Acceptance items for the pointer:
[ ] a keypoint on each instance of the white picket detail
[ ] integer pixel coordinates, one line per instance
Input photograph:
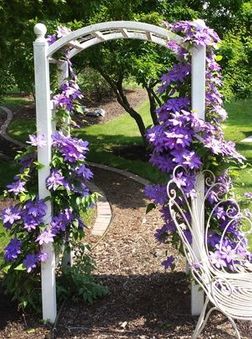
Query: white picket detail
(91, 35)
(44, 126)
(198, 106)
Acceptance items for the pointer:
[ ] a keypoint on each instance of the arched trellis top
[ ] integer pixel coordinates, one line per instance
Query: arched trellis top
(91, 35)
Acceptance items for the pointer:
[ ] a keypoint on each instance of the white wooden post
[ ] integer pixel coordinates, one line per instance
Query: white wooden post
(44, 126)
(198, 106)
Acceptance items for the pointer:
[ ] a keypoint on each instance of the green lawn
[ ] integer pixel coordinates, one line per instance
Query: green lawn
(4, 239)
(237, 128)
(15, 100)
(123, 131)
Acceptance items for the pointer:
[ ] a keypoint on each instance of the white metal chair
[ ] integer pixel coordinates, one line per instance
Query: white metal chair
(228, 290)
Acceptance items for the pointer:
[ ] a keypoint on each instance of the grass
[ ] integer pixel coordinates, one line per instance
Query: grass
(16, 100)
(4, 239)
(20, 129)
(123, 131)
(237, 128)
(7, 172)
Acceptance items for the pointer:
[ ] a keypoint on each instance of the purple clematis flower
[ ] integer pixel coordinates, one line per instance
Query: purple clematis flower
(217, 260)
(12, 250)
(84, 172)
(36, 208)
(30, 223)
(51, 39)
(42, 256)
(168, 262)
(10, 215)
(37, 140)
(16, 187)
(55, 180)
(157, 193)
(30, 262)
(61, 221)
(45, 237)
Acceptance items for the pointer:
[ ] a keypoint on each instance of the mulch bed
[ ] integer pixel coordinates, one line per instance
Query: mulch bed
(112, 108)
(110, 105)
(144, 301)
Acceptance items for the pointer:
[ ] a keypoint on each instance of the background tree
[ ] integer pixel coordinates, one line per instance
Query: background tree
(119, 60)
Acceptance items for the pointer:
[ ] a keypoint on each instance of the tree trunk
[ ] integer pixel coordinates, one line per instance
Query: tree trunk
(153, 105)
(123, 101)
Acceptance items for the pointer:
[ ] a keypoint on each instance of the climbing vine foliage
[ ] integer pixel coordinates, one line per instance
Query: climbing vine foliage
(183, 141)
(70, 198)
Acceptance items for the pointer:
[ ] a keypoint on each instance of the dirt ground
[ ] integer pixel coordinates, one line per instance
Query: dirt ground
(144, 301)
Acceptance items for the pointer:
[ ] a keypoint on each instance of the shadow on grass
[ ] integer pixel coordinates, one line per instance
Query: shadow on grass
(244, 147)
(8, 169)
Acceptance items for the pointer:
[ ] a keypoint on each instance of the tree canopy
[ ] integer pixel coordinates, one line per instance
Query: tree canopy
(230, 18)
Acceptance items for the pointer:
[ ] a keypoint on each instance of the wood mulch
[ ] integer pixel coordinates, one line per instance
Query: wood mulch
(144, 301)
(110, 105)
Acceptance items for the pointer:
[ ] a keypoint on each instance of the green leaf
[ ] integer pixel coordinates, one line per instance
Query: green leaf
(218, 57)
(78, 201)
(79, 109)
(6, 269)
(38, 165)
(20, 267)
(150, 207)
(23, 197)
(75, 223)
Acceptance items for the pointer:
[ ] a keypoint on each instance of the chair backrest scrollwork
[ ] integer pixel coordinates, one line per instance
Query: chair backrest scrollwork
(223, 247)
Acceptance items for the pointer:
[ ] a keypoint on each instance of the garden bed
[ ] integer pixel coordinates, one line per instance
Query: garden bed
(144, 301)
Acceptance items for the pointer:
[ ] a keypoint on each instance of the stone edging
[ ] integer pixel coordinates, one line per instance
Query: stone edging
(4, 127)
(104, 212)
(125, 173)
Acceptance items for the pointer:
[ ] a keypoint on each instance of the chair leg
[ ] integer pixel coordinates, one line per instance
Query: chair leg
(201, 321)
(235, 327)
(206, 319)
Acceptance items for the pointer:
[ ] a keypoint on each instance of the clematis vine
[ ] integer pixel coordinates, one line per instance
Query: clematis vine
(182, 139)
(67, 184)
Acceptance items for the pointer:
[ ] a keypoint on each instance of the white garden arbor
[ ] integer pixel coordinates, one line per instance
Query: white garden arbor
(77, 42)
